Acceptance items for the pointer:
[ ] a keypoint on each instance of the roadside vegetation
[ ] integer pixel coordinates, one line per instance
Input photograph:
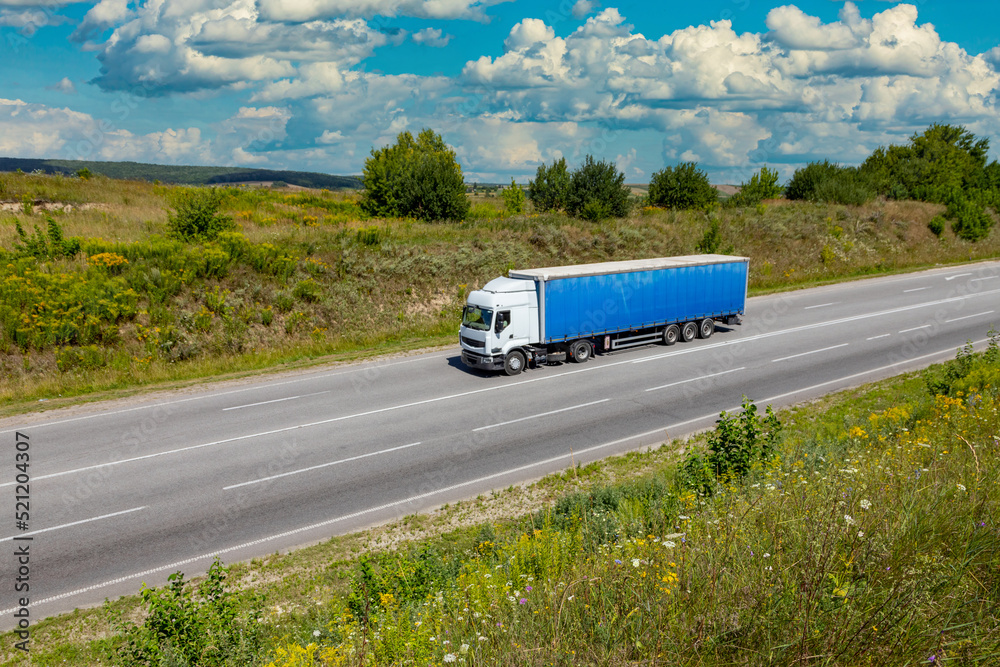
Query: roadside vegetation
(860, 530)
(109, 285)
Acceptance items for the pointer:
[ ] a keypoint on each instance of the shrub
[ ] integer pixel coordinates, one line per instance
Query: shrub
(550, 189)
(736, 444)
(196, 216)
(762, 185)
(682, 187)
(84, 174)
(969, 220)
(597, 190)
(804, 181)
(712, 240)
(50, 244)
(417, 178)
(936, 225)
(207, 628)
(513, 198)
(308, 290)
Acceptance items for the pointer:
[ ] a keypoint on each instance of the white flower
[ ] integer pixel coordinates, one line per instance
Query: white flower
(445, 642)
(481, 638)
(683, 518)
(450, 657)
(848, 519)
(463, 649)
(433, 639)
(961, 487)
(861, 533)
(635, 562)
(669, 545)
(767, 555)
(866, 504)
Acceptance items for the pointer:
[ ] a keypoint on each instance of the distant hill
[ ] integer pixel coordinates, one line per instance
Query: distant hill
(181, 174)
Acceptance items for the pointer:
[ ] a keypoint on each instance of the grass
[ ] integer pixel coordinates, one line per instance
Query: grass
(306, 278)
(871, 538)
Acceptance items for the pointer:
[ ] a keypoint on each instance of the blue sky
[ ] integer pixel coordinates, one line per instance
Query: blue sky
(315, 84)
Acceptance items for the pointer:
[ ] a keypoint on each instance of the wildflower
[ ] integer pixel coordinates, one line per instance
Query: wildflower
(669, 545)
(450, 657)
(635, 562)
(463, 649)
(527, 588)
(316, 633)
(767, 555)
(617, 562)
(481, 638)
(861, 533)
(961, 487)
(524, 600)
(866, 504)
(849, 520)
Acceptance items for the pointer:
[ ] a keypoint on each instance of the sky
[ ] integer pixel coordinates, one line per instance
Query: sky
(315, 85)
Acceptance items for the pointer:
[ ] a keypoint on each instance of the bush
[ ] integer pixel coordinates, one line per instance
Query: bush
(682, 187)
(45, 245)
(196, 216)
(762, 185)
(739, 442)
(936, 225)
(513, 198)
(712, 240)
(969, 220)
(597, 190)
(417, 178)
(550, 189)
(804, 181)
(206, 629)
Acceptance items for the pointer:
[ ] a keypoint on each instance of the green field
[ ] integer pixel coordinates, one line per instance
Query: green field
(97, 301)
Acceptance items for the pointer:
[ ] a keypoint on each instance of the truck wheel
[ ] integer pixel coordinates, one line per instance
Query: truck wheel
(689, 331)
(706, 328)
(580, 351)
(671, 334)
(514, 363)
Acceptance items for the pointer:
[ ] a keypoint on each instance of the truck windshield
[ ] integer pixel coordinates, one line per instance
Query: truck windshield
(475, 317)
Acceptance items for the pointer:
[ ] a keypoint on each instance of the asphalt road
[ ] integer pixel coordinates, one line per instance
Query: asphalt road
(126, 493)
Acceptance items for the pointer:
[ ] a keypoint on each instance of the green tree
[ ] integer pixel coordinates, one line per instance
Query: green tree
(969, 220)
(762, 185)
(550, 189)
(597, 190)
(804, 181)
(513, 198)
(417, 178)
(682, 187)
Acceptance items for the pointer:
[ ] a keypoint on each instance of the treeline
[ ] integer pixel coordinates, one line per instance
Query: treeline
(179, 174)
(945, 164)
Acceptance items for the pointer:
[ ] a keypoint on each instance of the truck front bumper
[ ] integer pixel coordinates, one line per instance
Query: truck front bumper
(474, 360)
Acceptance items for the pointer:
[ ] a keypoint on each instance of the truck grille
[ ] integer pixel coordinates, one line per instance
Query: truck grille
(478, 344)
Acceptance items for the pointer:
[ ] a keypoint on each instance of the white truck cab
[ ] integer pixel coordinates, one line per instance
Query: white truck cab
(498, 319)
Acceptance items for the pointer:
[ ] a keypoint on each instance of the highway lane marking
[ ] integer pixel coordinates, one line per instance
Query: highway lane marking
(957, 319)
(226, 393)
(879, 336)
(959, 275)
(543, 414)
(976, 280)
(806, 327)
(821, 305)
(862, 373)
(543, 378)
(321, 465)
(924, 326)
(915, 289)
(804, 354)
(75, 523)
(322, 524)
(703, 377)
(276, 400)
(665, 430)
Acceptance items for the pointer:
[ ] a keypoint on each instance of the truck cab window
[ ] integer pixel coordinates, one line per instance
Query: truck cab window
(503, 320)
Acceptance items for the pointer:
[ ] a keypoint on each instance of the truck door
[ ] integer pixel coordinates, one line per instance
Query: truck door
(511, 328)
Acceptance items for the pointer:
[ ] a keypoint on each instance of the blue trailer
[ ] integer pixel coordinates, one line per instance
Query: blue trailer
(550, 315)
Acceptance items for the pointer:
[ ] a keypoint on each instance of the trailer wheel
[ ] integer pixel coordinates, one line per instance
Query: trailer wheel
(689, 331)
(706, 328)
(671, 334)
(580, 351)
(514, 363)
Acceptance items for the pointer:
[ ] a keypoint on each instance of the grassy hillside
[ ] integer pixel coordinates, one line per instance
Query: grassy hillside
(179, 174)
(870, 536)
(95, 297)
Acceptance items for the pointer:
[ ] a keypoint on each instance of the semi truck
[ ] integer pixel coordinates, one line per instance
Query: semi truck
(552, 315)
